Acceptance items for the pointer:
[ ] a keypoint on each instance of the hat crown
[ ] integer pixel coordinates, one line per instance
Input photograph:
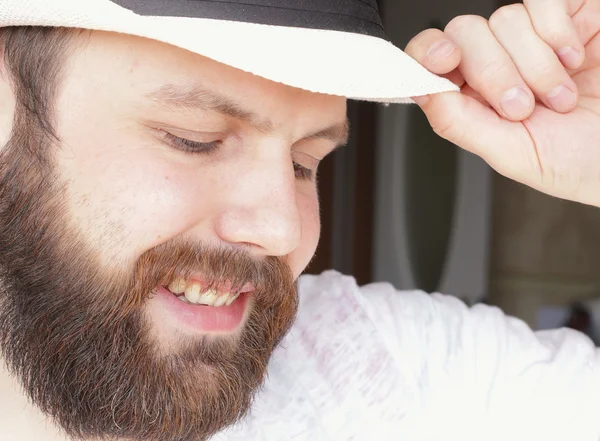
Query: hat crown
(356, 16)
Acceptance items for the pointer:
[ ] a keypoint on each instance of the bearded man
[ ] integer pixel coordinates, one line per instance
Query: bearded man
(158, 203)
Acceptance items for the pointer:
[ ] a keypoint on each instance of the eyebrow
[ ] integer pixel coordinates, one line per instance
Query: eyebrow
(196, 97)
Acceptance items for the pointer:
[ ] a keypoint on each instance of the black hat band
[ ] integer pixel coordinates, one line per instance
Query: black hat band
(354, 16)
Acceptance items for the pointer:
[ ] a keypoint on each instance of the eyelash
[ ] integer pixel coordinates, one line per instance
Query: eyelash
(303, 172)
(193, 147)
(206, 148)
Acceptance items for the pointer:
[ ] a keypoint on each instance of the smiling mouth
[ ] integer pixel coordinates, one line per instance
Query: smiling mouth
(194, 293)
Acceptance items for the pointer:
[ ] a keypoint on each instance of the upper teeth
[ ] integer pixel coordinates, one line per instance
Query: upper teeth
(193, 294)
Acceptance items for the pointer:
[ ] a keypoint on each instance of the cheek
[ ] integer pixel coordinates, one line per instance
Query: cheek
(135, 207)
(161, 200)
(308, 206)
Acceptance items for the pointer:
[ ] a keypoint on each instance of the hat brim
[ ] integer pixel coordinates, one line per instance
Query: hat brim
(355, 66)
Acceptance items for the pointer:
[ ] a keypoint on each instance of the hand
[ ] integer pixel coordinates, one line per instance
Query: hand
(530, 92)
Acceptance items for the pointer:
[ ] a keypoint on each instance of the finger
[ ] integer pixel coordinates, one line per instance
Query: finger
(537, 62)
(470, 92)
(553, 23)
(438, 54)
(587, 20)
(587, 78)
(488, 69)
(506, 146)
(434, 51)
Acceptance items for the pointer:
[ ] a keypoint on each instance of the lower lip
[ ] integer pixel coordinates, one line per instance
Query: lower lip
(204, 319)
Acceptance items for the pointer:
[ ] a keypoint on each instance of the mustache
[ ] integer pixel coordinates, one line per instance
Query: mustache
(270, 276)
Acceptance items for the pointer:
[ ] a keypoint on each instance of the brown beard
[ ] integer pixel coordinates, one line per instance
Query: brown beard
(75, 334)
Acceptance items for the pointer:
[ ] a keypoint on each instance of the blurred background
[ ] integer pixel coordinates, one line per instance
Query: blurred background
(404, 206)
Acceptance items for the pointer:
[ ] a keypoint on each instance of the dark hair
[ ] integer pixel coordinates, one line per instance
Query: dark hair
(33, 58)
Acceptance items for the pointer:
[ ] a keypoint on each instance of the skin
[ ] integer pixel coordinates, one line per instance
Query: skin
(549, 144)
(255, 200)
(256, 191)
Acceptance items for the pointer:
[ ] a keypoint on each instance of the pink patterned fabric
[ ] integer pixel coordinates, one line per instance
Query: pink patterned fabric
(373, 363)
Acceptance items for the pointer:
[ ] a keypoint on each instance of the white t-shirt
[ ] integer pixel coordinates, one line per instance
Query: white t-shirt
(375, 364)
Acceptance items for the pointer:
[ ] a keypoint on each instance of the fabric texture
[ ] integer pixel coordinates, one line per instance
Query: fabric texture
(352, 65)
(374, 363)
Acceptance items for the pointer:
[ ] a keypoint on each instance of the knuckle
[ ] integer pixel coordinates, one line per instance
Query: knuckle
(551, 33)
(555, 34)
(492, 71)
(464, 23)
(507, 15)
(542, 72)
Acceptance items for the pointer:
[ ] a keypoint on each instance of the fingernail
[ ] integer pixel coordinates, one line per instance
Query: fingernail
(440, 50)
(516, 103)
(570, 57)
(561, 98)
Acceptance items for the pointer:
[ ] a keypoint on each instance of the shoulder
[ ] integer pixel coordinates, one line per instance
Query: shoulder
(373, 362)
(382, 303)
(333, 376)
(332, 285)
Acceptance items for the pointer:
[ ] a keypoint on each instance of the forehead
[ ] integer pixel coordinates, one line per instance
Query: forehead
(133, 68)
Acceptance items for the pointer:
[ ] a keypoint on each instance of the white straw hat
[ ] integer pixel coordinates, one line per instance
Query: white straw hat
(335, 47)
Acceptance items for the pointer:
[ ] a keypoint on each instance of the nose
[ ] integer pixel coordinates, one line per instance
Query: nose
(260, 207)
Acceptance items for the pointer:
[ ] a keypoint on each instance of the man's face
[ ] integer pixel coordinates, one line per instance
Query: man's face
(158, 245)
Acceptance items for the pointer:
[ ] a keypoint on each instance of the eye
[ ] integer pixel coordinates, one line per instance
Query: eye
(305, 165)
(303, 172)
(189, 146)
(195, 147)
